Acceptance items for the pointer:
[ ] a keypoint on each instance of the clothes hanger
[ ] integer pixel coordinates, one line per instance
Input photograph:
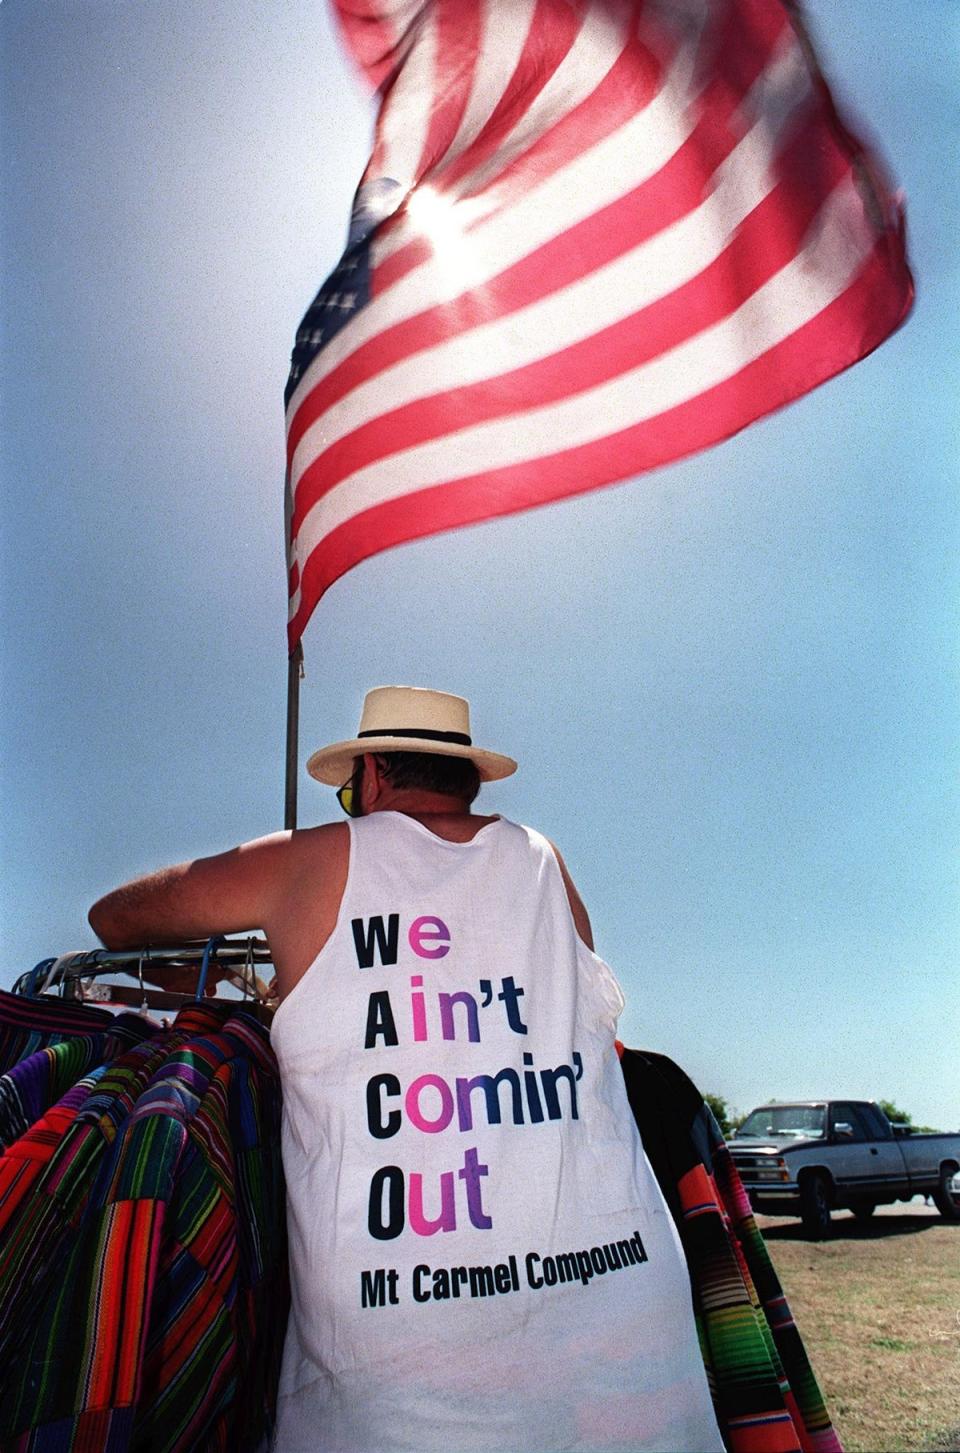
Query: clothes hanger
(77, 975)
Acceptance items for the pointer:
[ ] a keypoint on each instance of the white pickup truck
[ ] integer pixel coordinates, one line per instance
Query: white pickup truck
(807, 1157)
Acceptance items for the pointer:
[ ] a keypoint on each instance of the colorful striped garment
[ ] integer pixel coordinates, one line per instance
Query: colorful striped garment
(219, 1310)
(27, 1025)
(765, 1394)
(47, 1178)
(29, 1089)
(144, 1284)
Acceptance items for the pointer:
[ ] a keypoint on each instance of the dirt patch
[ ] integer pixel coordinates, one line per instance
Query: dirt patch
(878, 1307)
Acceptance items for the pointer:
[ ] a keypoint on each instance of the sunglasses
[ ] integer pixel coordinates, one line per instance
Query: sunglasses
(348, 796)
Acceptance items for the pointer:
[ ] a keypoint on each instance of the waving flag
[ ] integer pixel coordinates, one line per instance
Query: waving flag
(593, 237)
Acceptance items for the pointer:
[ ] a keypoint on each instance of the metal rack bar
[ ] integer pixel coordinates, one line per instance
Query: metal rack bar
(232, 953)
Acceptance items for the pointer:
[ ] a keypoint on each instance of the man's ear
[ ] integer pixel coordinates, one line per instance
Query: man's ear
(372, 780)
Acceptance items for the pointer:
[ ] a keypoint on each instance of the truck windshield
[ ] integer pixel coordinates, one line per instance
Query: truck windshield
(807, 1122)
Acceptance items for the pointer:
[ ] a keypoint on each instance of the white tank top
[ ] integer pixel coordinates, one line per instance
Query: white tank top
(481, 1257)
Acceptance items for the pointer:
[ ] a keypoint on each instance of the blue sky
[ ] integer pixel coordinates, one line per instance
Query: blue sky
(731, 685)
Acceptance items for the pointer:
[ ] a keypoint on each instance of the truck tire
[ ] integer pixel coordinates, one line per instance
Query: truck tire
(815, 1206)
(946, 1200)
(863, 1210)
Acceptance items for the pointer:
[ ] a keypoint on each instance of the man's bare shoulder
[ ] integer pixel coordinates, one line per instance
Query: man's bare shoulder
(285, 848)
(326, 837)
(311, 849)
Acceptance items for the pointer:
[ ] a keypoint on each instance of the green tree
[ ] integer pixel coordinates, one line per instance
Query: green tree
(893, 1112)
(724, 1116)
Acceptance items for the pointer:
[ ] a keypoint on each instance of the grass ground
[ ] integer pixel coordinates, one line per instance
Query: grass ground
(878, 1307)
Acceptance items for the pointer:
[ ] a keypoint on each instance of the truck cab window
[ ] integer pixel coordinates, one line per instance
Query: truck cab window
(845, 1122)
(877, 1127)
(803, 1122)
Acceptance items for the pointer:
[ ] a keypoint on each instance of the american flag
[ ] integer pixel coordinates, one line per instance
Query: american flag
(594, 236)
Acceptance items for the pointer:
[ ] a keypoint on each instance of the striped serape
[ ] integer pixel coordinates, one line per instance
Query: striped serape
(31, 1087)
(150, 1243)
(219, 1310)
(47, 1179)
(27, 1025)
(765, 1394)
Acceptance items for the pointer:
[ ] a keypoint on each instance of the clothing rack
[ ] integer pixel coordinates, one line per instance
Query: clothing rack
(75, 973)
(129, 1137)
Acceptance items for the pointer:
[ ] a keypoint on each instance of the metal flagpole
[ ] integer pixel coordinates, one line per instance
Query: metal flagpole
(294, 676)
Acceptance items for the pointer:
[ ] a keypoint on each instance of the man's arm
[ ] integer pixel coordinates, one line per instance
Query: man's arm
(288, 885)
(581, 918)
(227, 893)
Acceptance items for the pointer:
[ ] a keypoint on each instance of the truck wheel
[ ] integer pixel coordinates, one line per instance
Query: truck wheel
(863, 1210)
(815, 1206)
(946, 1197)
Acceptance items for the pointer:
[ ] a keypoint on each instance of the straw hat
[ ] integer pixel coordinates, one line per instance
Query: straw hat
(409, 719)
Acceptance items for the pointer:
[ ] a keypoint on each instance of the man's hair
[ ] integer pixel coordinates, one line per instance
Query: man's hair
(430, 772)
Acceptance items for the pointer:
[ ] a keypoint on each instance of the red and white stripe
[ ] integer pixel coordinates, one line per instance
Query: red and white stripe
(630, 229)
